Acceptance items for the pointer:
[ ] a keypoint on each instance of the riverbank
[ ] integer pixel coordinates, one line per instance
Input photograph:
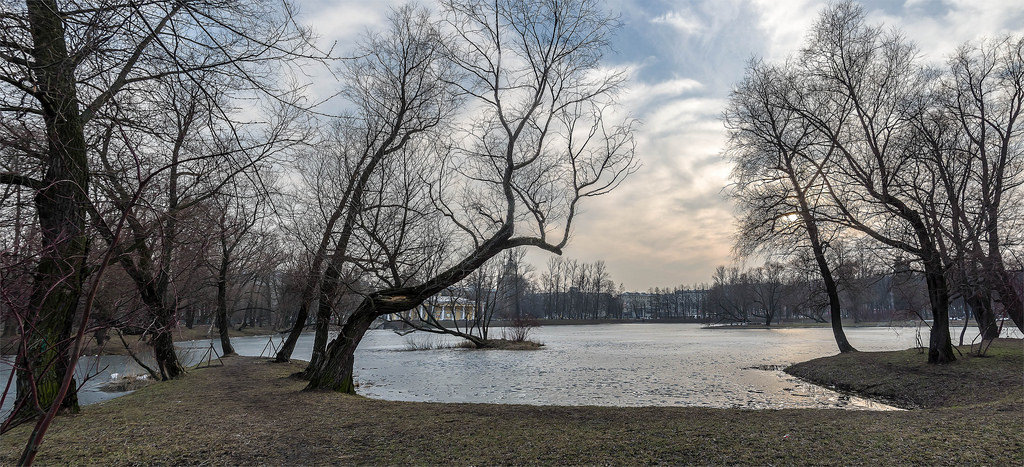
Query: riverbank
(113, 345)
(904, 379)
(250, 411)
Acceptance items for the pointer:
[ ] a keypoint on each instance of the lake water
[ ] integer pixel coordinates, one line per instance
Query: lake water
(608, 364)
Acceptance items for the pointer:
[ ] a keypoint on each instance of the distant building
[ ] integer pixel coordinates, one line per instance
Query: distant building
(671, 304)
(441, 308)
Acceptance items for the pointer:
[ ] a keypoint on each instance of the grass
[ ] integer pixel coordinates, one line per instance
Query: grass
(250, 412)
(904, 379)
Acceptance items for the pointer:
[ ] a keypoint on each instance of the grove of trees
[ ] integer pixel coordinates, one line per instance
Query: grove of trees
(165, 165)
(857, 141)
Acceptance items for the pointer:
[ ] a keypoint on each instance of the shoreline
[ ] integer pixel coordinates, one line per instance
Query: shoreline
(113, 345)
(250, 411)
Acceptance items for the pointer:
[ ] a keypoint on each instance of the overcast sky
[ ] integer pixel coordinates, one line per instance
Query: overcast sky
(669, 224)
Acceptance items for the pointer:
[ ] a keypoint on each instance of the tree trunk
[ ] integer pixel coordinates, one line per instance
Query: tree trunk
(335, 374)
(1012, 301)
(940, 344)
(328, 293)
(981, 308)
(163, 344)
(60, 205)
(831, 289)
(222, 311)
(288, 347)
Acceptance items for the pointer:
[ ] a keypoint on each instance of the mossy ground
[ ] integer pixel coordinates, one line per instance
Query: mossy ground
(250, 411)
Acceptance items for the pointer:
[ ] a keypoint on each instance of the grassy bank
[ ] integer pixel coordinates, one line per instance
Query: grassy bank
(904, 379)
(250, 411)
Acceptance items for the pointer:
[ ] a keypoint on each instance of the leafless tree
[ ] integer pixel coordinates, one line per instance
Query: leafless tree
(536, 140)
(240, 213)
(777, 177)
(397, 90)
(859, 80)
(974, 120)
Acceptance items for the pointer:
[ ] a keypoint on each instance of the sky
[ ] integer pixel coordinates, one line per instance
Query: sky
(670, 224)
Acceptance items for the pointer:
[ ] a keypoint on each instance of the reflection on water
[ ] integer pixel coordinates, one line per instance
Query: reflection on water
(610, 364)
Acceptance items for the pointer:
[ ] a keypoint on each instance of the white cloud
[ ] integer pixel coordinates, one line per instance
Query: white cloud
(938, 34)
(784, 24)
(684, 21)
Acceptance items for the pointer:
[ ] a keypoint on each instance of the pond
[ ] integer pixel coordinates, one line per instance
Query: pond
(607, 364)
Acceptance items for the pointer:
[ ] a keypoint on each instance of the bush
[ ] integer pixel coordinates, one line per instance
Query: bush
(519, 329)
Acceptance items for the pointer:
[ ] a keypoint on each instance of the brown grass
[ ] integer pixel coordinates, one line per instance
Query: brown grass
(251, 412)
(903, 378)
(502, 344)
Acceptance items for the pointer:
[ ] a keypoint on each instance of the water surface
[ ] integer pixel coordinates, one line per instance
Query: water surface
(608, 364)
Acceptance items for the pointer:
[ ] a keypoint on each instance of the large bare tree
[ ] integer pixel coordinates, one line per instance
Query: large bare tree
(535, 140)
(777, 177)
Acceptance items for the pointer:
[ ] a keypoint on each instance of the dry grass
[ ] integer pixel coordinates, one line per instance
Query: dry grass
(904, 378)
(501, 344)
(251, 412)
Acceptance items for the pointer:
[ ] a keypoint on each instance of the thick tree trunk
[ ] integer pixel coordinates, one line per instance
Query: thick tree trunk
(981, 308)
(1012, 301)
(1000, 279)
(163, 343)
(940, 344)
(335, 373)
(328, 294)
(60, 205)
(288, 347)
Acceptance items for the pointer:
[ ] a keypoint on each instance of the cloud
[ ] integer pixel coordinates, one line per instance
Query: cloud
(938, 28)
(669, 224)
(684, 21)
(342, 21)
(784, 24)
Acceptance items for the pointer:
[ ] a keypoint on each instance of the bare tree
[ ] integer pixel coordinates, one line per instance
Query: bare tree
(398, 90)
(240, 215)
(537, 143)
(982, 97)
(778, 184)
(859, 80)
